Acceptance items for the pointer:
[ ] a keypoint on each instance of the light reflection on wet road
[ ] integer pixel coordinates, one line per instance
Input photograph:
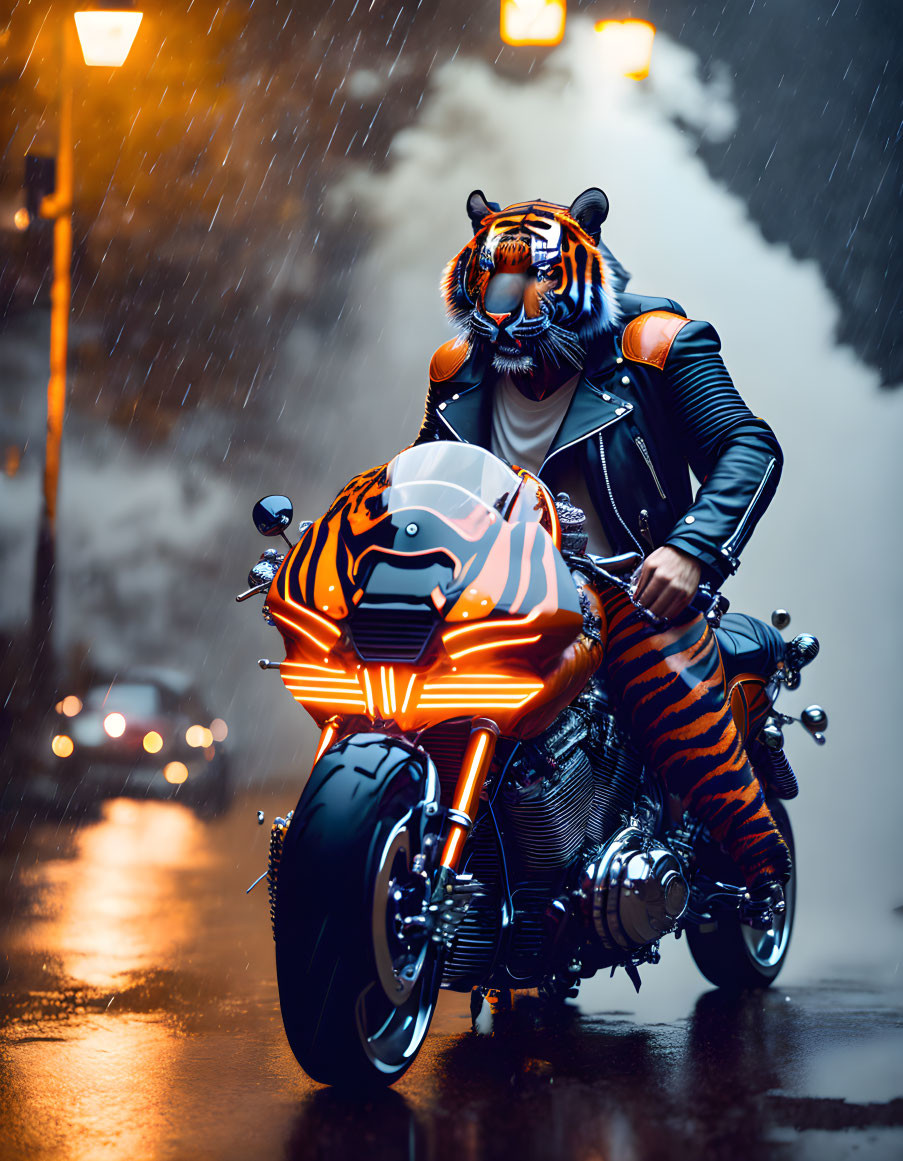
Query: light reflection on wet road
(139, 1018)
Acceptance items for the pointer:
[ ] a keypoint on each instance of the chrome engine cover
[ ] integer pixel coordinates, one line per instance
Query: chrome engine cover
(634, 890)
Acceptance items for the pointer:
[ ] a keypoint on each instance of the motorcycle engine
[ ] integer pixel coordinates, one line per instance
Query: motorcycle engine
(634, 890)
(548, 796)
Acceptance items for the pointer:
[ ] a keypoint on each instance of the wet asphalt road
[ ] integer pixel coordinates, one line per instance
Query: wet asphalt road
(139, 1019)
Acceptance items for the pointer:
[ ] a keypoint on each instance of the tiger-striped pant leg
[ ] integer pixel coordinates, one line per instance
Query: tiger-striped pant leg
(669, 686)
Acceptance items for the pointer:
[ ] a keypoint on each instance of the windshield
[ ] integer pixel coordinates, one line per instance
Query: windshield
(448, 477)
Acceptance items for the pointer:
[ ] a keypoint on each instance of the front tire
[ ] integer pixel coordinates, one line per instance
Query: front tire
(733, 955)
(357, 992)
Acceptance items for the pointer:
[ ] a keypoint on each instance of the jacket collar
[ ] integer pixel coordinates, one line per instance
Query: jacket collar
(467, 411)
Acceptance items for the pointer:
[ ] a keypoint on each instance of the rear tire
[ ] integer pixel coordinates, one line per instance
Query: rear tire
(732, 954)
(346, 855)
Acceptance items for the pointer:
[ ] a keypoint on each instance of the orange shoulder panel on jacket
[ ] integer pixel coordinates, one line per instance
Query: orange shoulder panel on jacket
(648, 337)
(447, 360)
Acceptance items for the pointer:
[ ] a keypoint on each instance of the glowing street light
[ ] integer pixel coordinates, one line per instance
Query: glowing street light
(539, 22)
(626, 46)
(106, 35)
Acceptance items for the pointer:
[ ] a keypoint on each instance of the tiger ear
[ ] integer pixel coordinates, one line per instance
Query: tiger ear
(477, 209)
(590, 210)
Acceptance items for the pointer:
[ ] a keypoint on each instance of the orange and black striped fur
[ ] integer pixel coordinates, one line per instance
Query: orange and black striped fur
(569, 280)
(669, 686)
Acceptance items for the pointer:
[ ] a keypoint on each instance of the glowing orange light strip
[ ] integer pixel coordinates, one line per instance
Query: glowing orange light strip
(329, 700)
(477, 759)
(305, 632)
(315, 668)
(473, 683)
(407, 696)
(450, 853)
(368, 689)
(463, 795)
(495, 645)
(326, 739)
(484, 626)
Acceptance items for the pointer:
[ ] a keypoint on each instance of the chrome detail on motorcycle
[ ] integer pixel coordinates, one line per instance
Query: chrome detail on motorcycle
(266, 568)
(277, 838)
(448, 905)
(252, 592)
(572, 520)
(477, 936)
(767, 944)
(460, 818)
(617, 770)
(262, 574)
(634, 890)
(272, 515)
(815, 720)
(400, 898)
(546, 800)
(801, 651)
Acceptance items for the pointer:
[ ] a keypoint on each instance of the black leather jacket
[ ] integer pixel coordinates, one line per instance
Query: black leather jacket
(638, 426)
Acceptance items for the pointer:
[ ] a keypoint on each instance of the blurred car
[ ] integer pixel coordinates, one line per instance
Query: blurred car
(144, 734)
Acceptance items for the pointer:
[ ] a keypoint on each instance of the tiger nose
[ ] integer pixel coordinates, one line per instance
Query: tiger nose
(504, 296)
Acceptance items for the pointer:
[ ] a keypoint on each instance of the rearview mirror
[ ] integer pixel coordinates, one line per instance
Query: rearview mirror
(272, 515)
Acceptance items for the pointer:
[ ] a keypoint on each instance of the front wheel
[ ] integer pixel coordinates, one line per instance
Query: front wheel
(358, 977)
(734, 955)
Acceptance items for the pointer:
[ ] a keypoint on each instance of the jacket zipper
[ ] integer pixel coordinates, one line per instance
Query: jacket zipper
(729, 545)
(611, 498)
(644, 452)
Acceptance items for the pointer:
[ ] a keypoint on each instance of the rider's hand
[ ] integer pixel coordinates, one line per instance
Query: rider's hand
(668, 582)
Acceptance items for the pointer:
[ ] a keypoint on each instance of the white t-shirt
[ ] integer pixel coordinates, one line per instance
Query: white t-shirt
(522, 433)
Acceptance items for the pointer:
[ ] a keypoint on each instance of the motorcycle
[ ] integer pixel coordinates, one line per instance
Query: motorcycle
(476, 818)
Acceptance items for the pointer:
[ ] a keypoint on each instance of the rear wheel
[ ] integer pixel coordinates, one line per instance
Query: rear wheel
(357, 978)
(734, 955)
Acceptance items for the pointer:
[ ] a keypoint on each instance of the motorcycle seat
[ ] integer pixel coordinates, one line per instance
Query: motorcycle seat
(748, 645)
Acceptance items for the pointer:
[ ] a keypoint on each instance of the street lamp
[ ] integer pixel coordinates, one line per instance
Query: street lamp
(539, 22)
(106, 35)
(626, 46)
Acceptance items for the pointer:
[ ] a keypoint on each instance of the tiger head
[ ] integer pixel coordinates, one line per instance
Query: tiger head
(535, 284)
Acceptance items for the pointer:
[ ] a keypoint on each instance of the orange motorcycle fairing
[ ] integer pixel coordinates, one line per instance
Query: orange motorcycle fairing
(464, 558)
(750, 703)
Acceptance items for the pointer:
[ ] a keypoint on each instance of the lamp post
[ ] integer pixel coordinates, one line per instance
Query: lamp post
(105, 35)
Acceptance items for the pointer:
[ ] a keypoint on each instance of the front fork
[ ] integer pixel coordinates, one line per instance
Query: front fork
(465, 802)
(478, 757)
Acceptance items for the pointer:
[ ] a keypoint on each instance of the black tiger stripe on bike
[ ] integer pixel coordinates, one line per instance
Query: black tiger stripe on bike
(669, 683)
